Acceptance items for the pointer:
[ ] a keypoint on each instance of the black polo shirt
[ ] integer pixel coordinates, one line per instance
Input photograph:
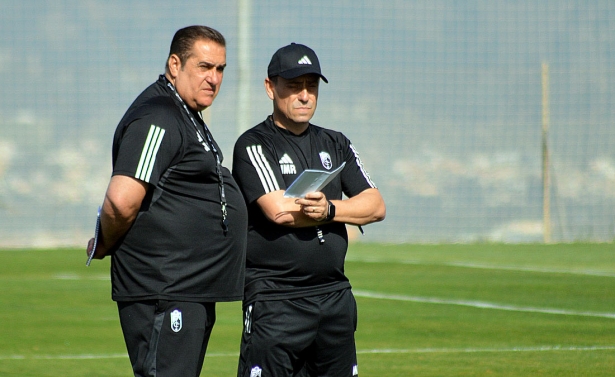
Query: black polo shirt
(284, 262)
(176, 249)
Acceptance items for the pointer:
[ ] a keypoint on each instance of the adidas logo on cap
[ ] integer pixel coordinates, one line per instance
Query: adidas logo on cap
(305, 60)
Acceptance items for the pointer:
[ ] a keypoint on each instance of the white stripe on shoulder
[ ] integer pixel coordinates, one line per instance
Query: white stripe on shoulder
(361, 167)
(149, 152)
(263, 169)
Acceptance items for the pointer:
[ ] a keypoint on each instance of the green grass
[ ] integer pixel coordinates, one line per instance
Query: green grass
(424, 310)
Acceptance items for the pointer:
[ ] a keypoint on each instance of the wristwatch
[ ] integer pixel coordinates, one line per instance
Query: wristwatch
(330, 212)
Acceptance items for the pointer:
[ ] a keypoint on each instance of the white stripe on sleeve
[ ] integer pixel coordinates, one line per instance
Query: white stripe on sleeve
(263, 169)
(361, 167)
(149, 152)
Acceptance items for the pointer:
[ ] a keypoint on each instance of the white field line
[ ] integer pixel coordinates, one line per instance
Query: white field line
(488, 266)
(90, 356)
(480, 304)
(64, 357)
(478, 350)
(70, 276)
(60, 276)
(372, 351)
(484, 266)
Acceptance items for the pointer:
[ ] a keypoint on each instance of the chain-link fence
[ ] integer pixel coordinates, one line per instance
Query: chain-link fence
(446, 102)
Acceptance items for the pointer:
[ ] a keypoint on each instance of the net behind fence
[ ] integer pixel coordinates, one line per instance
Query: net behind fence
(446, 102)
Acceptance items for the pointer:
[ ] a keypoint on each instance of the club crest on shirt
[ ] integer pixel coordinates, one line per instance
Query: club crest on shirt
(176, 320)
(325, 158)
(256, 372)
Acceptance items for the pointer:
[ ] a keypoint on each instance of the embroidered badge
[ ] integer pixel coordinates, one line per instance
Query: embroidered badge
(325, 158)
(256, 372)
(176, 320)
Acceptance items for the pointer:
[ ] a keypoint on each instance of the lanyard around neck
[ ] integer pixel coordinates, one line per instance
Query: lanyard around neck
(208, 138)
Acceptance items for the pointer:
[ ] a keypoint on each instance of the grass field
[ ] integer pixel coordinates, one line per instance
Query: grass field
(436, 310)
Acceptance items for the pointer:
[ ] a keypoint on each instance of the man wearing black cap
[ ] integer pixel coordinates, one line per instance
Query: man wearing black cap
(299, 312)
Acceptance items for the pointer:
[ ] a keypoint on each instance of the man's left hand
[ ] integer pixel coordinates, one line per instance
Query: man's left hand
(314, 205)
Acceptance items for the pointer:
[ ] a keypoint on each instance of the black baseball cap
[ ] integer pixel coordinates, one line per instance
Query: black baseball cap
(293, 61)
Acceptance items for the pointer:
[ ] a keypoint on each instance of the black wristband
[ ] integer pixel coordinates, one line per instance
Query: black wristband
(330, 212)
